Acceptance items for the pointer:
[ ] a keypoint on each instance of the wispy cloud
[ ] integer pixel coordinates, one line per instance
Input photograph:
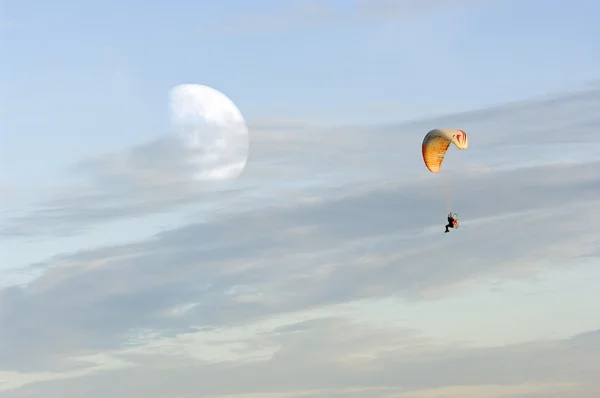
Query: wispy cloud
(315, 360)
(299, 156)
(317, 14)
(402, 9)
(6, 25)
(253, 300)
(266, 262)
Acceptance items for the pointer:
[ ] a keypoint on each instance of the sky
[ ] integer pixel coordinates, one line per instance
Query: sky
(323, 271)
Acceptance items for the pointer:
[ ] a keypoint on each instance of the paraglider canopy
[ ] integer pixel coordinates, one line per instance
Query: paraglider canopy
(436, 143)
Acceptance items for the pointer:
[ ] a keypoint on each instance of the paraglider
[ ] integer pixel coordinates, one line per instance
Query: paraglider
(434, 148)
(452, 222)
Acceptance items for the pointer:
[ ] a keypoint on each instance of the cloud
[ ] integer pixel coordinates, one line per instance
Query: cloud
(6, 193)
(313, 359)
(155, 177)
(385, 241)
(293, 15)
(315, 14)
(254, 299)
(402, 9)
(149, 179)
(5, 25)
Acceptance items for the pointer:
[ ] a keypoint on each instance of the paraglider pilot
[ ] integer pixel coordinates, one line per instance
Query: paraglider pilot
(451, 222)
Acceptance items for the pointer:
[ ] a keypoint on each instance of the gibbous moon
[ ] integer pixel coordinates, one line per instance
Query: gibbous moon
(211, 129)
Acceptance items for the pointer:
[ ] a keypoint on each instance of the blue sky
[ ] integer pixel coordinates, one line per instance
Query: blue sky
(335, 224)
(96, 74)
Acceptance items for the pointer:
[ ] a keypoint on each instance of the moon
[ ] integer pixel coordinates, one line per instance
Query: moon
(212, 130)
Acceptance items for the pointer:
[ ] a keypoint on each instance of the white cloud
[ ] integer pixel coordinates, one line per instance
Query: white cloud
(341, 283)
(303, 159)
(315, 14)
(402, 9)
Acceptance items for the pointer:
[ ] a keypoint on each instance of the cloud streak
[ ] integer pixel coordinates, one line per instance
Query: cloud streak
(155, 177)
(317, 14)
(313, 360)
(254, 299)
